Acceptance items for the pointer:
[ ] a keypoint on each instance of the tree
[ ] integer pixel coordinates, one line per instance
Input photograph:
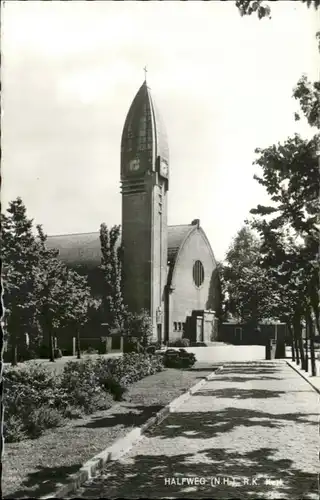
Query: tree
(308, 96)
(75, 301)
(290, 227)
(63, 294)
(284, 257)
(247, 287)
(248, 7)
(217, 299)
(41, 294)
(112, 306)
(262, 8)
(137, 329)
(20, 273)
(48, 285)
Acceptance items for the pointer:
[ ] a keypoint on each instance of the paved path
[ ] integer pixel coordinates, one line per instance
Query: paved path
(254, 423)
(222, 353)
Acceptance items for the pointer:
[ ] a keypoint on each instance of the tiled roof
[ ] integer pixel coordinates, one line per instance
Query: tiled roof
(176, 236)
(84, 248)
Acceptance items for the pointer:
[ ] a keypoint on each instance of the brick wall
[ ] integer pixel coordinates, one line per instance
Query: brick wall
(144, 238)
(136, 233)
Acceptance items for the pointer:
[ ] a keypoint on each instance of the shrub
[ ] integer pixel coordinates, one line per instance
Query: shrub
(72, 412)
(130, 345)
(180, 343)
(13, 428)
(37, 398)
(178, 359)
(91, 350)
(43, 352)
(29, 391)
(129, 368)
(102, 349)
(139, 326)
(113, 386)
(29, 386)
(67, 352)
(151, 349)
(157, 345)
(43, 418)
(24, 354)
(80, 382)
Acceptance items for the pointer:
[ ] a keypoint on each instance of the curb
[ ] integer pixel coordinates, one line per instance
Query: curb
(123, 445)
(303, 375)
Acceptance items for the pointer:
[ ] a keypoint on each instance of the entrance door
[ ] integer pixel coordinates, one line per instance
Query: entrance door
(116, 342)
(159, 333)
(199, 329)
(238, 334)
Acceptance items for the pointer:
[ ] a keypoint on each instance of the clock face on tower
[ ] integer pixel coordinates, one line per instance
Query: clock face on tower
(164, 168)
(134, 165)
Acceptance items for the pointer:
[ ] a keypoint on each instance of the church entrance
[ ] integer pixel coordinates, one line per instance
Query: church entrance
(202, 326)
(115, 342)
(199, 332)
(159, 333)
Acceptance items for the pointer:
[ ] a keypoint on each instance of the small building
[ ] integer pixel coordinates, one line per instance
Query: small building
(245, 334)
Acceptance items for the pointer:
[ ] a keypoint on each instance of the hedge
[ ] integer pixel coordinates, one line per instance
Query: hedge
(35, 398)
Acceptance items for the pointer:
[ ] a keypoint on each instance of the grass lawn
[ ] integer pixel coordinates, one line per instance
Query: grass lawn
(33, 468)
(59, 364)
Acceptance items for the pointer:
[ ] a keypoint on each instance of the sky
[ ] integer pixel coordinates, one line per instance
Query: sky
(223, 84)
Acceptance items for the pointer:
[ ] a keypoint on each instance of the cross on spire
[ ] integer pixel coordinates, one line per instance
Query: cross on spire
(145, 73)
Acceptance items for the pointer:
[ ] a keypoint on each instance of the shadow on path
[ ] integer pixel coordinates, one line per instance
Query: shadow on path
(128, 419)
(47, 479)
(236, 379)
(207, 424)
(240, 393)
(146, 477)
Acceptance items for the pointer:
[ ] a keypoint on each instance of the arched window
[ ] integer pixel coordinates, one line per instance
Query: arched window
(198, 273)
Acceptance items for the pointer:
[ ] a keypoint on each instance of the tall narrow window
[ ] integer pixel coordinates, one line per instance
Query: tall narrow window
(198, 273)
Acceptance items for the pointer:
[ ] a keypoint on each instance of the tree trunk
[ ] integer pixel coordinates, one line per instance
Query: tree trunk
(301, 350)
(78, 344)
(13, 340)
(50, 336)
(311, 337)
(317, 323)
(314, 298)
(295, 340)
(293, 357)
(47, 330)
(14, 350)
(306, 361)
(51, 348)
(297, 332)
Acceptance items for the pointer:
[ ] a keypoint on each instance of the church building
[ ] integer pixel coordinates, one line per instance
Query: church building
(168, 270)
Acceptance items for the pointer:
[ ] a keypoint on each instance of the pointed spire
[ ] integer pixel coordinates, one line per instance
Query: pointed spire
(145, 74)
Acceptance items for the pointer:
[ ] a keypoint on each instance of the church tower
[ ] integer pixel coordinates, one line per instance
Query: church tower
(144, 183)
